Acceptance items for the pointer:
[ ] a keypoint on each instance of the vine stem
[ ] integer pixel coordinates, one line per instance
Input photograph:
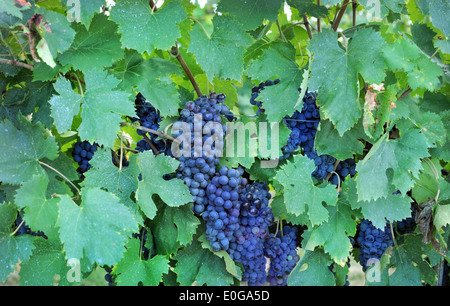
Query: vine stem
(331, 173)
(62, 175)
(281, 32)
(158, 133)
(308, 28)
(176, 52)
(17, 228)
(354, 6)
(16, 63)
(392, 234)
(340, 14)
(319, 29)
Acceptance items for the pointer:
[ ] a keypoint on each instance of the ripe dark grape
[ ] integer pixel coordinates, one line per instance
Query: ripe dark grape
(372, 242)
(247, 244)
(283, 255)
(222, 213)
(82, 153)
(198, 165)
(344, 168)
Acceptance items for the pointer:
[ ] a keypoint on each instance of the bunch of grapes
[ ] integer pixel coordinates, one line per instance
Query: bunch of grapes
(372, 242)
(82, 153)
(222, 213)
(198, 163)
(344, 168)
(283, 255)
(247, 244)
(149, 117)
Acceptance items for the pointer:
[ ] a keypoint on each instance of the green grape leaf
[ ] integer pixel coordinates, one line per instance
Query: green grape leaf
(47, 260)
(335, 69)
(41, 213)
(173, 227)
(29, 145)
(8, 6)
(251, 13)
(55, 31)
(152, 78)
(278, 62)
(221, 53)
(421, 71)
(83, 10)
(99, 99)
(317, 272)
(173, 192)
(402, 155)
(195, 263)
(157, 29)
(95, 48)
(97, 228)
(309, 7)
(133, 270)
(394, 207)
(333, 234)
(12, 248)
(342, 147)
(295, 177)
(104, 174)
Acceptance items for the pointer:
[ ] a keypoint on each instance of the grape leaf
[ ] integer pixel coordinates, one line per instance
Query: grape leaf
(55, 31)
(106, 175)
(421, 71)
(172, 227)
(296, 179)
(99, 99)
(278, 62)
(221, 53)
(97, 228)
(402, 155)
(309, 7)
(342, 147)
(316, 273)
(333, 234)
(95, 48)
(40, 213)
(195, 263)
(173, 192)
(12, 248)
(87, 9)
(251, 13)
(156, 29)
(152, 78)
(335, 69)
(46, 261)
(132, 270)
(29, 144)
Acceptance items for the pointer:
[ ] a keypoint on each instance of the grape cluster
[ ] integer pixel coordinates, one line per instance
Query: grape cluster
(198, 163)
(372, 242)
(82, 153)
(283, 255)
(247, 244)
(149, 117)
(344, 168)
(222, 213)
(25, 229)
(303, 126)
